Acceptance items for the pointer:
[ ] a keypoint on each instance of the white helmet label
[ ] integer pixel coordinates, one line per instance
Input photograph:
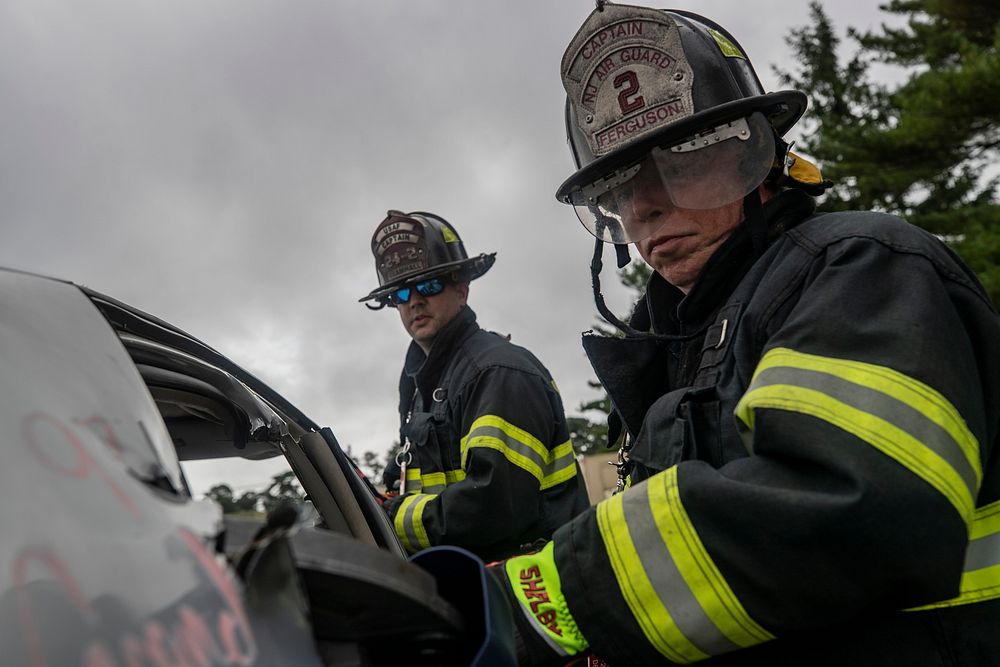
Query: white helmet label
(399, 246)
(627, 75)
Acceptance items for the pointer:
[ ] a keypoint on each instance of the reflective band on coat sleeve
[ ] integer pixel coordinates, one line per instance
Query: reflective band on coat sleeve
(522, 449)
(409, 522)
(414, 482)
(981, 574)
(677, 595)
(901, 417)
(436, 482)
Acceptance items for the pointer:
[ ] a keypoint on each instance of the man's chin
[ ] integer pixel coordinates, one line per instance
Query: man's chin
(423, 334)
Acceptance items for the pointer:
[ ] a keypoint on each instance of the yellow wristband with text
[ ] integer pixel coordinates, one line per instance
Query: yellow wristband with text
(535, 581)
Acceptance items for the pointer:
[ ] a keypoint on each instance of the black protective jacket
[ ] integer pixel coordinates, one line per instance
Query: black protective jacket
(817, 448)
(493, 468)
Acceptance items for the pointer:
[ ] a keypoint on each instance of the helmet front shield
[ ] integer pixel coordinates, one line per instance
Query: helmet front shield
(708, 170)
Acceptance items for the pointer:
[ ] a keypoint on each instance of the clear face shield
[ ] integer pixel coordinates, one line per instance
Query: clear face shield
(711, 169)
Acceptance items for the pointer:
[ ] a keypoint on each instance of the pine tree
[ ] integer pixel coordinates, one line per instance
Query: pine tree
(924, 149)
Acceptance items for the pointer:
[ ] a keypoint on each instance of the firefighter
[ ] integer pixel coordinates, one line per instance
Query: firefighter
(486, 460)
(810, 401)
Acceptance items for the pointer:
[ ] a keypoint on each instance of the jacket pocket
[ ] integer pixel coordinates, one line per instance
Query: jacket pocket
(683, 425)
(419, 429)
(432, 436)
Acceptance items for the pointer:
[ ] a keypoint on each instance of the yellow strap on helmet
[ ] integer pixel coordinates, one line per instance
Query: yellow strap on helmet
(798, 172)
(803, 171)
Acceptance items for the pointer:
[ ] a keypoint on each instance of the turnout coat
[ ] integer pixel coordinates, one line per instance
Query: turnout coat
(493, 468)
(815, 479)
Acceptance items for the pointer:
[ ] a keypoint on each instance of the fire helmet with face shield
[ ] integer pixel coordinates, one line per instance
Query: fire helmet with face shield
(668, 99)
(414, 247)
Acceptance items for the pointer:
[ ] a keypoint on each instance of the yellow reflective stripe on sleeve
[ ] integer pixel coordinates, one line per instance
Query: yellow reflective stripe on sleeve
(414, 481)
(987, 521)
(431, 482)
(675, 592)
(635, 587)
(436, 482)
(899, 416)
(409, 523)
(522, 449)
(981, 574)
(702, 576)
(563, 465)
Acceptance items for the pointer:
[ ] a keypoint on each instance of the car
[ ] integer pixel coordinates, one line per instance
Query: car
(109, 559)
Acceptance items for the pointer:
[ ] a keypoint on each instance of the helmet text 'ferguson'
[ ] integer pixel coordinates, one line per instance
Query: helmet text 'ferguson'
(627, 128)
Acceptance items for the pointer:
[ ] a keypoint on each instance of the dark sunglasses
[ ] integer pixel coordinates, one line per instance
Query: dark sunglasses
(425, 288)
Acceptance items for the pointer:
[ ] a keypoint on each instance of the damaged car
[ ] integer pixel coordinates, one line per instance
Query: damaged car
(109, 559)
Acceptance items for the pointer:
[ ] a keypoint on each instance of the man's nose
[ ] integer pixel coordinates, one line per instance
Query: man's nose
(649, 203)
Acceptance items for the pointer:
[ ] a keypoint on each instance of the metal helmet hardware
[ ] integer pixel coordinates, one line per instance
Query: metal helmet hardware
(664, 97)
(417, 246)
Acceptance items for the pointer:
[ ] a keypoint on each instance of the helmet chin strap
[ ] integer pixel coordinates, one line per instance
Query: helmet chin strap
(621, 252)
(596, 264)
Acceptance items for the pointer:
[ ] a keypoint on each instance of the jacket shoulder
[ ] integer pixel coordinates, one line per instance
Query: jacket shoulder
(825, 229)
(821, 232)
(488, 349)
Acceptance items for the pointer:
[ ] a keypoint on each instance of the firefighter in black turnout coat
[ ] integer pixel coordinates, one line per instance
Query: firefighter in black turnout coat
(486, 461)
(810, 401)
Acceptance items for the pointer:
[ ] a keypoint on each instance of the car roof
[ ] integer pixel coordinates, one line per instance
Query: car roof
(130, 320)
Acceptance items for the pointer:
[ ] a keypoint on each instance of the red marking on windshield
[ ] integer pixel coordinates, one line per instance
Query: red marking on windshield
(81, 466)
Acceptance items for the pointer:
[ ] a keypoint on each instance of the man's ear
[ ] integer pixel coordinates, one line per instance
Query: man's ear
(463, 291)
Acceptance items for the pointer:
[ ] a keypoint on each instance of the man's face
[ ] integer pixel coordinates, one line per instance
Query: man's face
(679, 240)
(424, 316)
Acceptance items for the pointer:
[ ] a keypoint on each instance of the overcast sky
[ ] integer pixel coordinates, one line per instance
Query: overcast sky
(222, 164)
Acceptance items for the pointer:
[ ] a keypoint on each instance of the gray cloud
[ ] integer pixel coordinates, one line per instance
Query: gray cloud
(222, 164)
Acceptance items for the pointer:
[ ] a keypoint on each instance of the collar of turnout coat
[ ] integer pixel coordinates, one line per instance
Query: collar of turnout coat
(426, 369)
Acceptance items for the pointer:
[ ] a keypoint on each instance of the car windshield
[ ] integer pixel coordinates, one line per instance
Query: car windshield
(55, 349)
